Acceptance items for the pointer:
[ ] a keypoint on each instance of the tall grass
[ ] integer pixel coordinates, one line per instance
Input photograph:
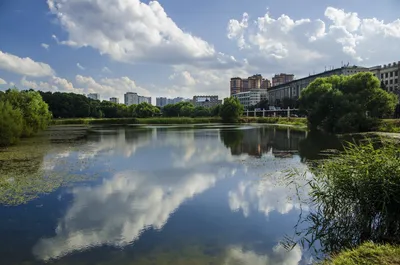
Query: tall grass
(354, 197)
(367, 254)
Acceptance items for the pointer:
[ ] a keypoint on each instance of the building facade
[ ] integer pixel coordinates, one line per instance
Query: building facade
(161, 101)
(94, 96)
(251, 97)
(236, 85)
(239, 85)
(142, 99)
(388, 74)
(206, 101)
(282, 79)
(114, 100)
(293, 89)
(131, 98)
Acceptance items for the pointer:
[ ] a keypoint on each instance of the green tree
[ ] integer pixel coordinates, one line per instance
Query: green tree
(11, 124)
(145, 110)
(187, 110)
(201, 112)
(231, 110)
(340, 104)
(35, 112)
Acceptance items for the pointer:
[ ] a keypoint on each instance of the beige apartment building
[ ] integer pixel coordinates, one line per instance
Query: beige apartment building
(239, 85)
(282, 78)
(389, 75)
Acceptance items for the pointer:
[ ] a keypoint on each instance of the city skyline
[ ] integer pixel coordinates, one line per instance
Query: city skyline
(265, 37)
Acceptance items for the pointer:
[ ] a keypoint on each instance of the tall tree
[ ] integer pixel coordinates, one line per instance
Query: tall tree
(346, 103)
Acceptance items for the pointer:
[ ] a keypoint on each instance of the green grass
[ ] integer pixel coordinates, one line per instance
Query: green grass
(276, 120)
(388, 125)
(367, 254)
(175, 120)
(179, 120)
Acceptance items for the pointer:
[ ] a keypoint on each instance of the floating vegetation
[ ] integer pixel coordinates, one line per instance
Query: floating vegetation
(37, 165)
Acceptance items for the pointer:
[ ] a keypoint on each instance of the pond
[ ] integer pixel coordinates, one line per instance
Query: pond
(199, 194)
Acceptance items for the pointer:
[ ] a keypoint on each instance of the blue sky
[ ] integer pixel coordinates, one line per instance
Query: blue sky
(185, 48)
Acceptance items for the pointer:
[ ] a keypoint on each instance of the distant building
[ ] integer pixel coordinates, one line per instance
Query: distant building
(161, 102)
(206, 101)
(131, 98)
(251, 97)
(265, 84)
(282, 79)
(114, 100)
(94, 96)
(255, 81)
(293, 89)
(389, 75)
(142, 99)
(239, 85)
(236, 85)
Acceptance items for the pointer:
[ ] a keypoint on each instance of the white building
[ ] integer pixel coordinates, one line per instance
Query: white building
(131, 98)
(161, 102)
(251, 97)
(114, 100)
(94, 96)
(142, 99)
(388, 74)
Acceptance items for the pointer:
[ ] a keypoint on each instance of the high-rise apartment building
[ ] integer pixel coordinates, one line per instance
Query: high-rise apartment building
(253, 82)
(142, 99)
(161, 102)
(265, 84)
(114, 100)
(236, 85)
(282, 79)
(94, 96)
(131, 98)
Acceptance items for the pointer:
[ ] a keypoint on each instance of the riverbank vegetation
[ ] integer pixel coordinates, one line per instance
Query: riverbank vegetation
(367, 254)
(342, 104)
(22, 114)
(354, 199)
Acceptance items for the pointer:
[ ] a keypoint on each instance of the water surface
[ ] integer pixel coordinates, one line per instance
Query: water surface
(204, 194)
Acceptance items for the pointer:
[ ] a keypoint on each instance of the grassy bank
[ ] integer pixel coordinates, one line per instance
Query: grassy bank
(177, 120)
(391, 125)
(275, 120)
(180, 120)
(368, 254)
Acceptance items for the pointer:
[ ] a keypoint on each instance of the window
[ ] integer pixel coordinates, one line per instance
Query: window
(387, 75)
(391, 82)
(381, 76)
(386, 82)
(396, 73)
(396, 81)
(391, 74)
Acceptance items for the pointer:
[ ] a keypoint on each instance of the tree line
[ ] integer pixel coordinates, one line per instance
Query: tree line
(23, 113)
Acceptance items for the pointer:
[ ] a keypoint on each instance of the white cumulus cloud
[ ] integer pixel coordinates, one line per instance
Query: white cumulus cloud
(130, 31)
(24, 66)
(301, 46)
